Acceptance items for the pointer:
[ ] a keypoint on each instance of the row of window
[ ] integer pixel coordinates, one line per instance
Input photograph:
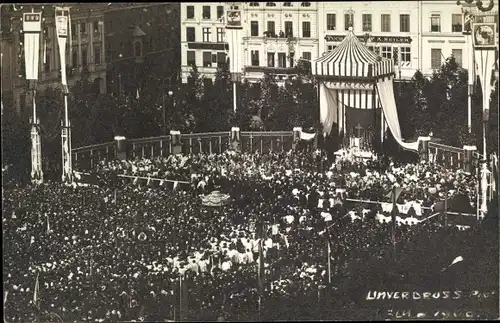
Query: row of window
(254, 31)
(405, 54)
(282, 58)
(207, 34)
(385, 22)
(209, 58)
(437, 56)
(306, 29)
(47, 66)
(206, 12)
(83, 28)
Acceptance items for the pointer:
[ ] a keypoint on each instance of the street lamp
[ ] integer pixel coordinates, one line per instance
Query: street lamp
(170, 94)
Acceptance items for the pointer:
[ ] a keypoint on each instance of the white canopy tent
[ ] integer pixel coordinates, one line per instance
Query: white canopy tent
(353, 76)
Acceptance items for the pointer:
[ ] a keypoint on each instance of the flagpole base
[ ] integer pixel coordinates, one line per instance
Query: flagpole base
(485, 194)
(36, 153)
(67, 171)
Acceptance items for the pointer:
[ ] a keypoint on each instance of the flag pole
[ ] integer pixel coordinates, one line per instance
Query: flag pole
(329, 256)
(394, 208)
(446, 206)
(180, 298)
(329, 264)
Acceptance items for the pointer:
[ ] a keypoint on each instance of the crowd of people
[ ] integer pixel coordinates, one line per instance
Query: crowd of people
(124, 250)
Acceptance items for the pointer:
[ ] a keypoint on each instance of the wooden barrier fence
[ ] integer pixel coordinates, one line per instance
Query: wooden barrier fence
(448, 156)
(249, 141)
(87, 157)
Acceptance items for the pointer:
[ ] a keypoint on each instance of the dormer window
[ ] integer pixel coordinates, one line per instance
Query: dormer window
(287, 4)
(254, 4)
(305, 4)
(270, 4)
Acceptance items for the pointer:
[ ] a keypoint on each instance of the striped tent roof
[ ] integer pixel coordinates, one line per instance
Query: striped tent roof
(352, 59)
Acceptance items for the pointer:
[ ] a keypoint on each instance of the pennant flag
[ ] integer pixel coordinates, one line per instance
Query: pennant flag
(456, 260)
(36, 292)
(135, 180)
(162, 182)
(439, 206)
(461, 202)
(398, 191)
(149, 181)
(137, 94)
(5, 294)
(176, 183)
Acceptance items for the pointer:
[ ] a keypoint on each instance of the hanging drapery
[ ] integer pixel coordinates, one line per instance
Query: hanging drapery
(328, 107)
(485, 61)
(62, 17)
(307, 136)
(386, 94)
(336, 98)
(349, 73)
(31, 29)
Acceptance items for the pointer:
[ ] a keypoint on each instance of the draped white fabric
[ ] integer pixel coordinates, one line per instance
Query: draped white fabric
(386, 95)
(62, 55)
(307, 136)
(31, 54)
(328, 107)
(485, 60)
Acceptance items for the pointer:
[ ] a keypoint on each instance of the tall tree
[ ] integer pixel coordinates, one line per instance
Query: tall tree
(219, 108)
(446, 98)
(243, 109)
(268, 94)
(191, 100)
(417, 117)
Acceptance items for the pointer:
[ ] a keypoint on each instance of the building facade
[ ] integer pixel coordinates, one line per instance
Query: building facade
(417, 35)
(388, 28)
(277, 35)
(84, 58)
(142, 46)
(202, 37)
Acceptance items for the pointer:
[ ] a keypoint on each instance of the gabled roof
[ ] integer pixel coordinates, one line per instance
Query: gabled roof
(138, 32)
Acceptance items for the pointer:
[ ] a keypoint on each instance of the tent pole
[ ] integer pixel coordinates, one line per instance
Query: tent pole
(319, 104)
(374, 107)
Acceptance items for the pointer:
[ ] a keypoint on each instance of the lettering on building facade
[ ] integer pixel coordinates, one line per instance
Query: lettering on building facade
(373, 39)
